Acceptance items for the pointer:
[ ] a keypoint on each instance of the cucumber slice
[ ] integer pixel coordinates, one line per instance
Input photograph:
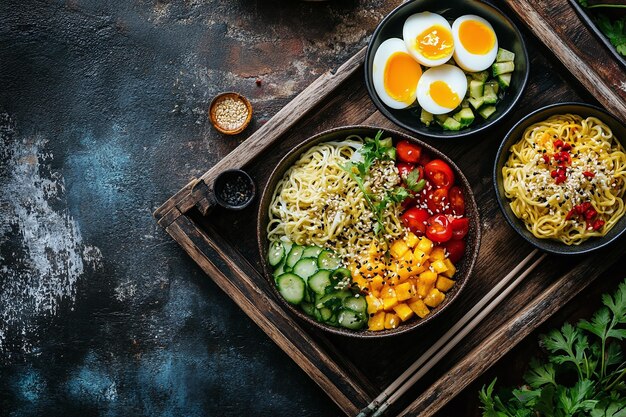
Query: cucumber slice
(319, 281)
(504, 55)
(294, 255)
(504, 80)
(279, 271)
(486, 111)
(335, 298)
(276, 253)
(494, 84)
(328, 260)
(465, 116)
(480, 76)
(291, 287)
(476, 102)
(308, 308)
(451, 124)
(326, 313)
(476, 88)
(305, 267)
(311, 252)
(357, 304)
(490, 96)
(350, 320)
(502, 68)
(426, 117)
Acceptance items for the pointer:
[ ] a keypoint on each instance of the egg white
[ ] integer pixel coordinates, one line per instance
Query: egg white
(467, 60)
(384, 51)
(451, 75)
(414, 26)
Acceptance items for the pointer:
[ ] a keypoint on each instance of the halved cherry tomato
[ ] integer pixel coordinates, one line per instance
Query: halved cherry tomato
(455, 249)
(408, 152)
(459, 227)
(438, 229)
(437, 200)
(439, 173)
(415, 219)
(457, 201)
(404, 169)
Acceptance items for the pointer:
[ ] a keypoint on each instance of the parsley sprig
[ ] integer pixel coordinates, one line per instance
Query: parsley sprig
(591, 352)
(614, 29)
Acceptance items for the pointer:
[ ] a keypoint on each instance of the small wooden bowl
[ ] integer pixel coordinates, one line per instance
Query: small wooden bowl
(234, 96)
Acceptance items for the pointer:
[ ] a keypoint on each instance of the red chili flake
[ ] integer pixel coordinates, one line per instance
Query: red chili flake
(597, 224)
(558, 143)
(566, 146)
(560, 179)
(554, 174)
(546, 158)
(589, 174)
(583, 207)
(590, 214)
(570, 214)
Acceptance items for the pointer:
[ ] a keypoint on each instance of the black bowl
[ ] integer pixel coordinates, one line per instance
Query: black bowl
(514, 135)
(464, 268)
(509, 37)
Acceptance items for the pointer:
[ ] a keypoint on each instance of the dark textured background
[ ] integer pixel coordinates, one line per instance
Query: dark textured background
(102, 118)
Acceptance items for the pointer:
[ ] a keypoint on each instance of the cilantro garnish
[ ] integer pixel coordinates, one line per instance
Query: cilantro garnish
(615, 29)
(590, 353)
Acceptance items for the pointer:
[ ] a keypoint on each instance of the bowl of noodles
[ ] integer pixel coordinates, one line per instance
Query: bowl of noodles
(341, 239)
(560, 178)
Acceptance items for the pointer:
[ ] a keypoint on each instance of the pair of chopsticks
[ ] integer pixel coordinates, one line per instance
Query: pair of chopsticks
(451, 338)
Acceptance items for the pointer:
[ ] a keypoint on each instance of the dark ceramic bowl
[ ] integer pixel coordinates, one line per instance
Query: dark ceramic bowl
(514, 135)
(509, 37)
(464, 268)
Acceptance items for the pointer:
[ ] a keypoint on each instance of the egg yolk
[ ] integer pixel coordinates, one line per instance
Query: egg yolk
(442, 94)
(435, 42)
(476, 37)
(402, 73)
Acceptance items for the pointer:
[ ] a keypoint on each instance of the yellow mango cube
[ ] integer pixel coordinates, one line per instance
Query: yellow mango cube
(426, 282)
(405, 291)
(451, 268)
(376, 322)
(404, 271)
(419, 308)
(391, 321)
(425, 245)
(408, 259)
(373, 250)
(374, 304)
(437, 253)
(420, 256)
(403, 311)
(389, 302)
(369, 269)
(398, 249)
(434, 298)
(376, 283)
(444, 283)
(439, 266)
(411, 239)
(360, 281)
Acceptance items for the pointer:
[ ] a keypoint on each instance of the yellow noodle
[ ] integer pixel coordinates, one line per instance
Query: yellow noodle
(541, 203)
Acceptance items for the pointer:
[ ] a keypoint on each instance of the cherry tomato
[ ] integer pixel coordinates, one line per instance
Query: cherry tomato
(455, 249)
(459, 227)
(437, 200)
(415, 219)
(457, 201)
(438, 228)
(424, 158)
(439, 173)
(408, 152)
(404, 169)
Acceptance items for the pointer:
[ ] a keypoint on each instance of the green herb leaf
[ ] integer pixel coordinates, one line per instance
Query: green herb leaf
(413, 182)
(540, 374)
(615, 31)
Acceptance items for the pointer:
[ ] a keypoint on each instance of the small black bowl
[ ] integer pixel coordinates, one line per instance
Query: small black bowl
(234, 189)
(514, 135)
(509, 37)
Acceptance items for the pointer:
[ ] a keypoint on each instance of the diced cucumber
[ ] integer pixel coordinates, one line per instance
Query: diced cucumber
(291, 287)
(305, 267)
(490, 96)
(426, 117)
(465, 104)
(465, 116)
(294, 255)
(476, 88)
(504, 55)
(312, 252)
(502, 68)
(328, 260)
(357, 304)
(494, 84)
(308, 308)
(504, 80)
(451, 124)
(480, 76)
(486, 111)
(441, 118)
(351, 320)
(386, 143)
(319, 281)
(476, 102)
(276, 253)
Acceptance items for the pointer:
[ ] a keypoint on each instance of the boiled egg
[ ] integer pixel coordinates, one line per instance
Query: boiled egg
(395, 74)
(428, 37)
(475, 43)
(441, 89)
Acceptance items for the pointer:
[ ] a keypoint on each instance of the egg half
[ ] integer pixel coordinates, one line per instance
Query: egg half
(395, 74)
(428, 37)
(441, 89)
(475, 43)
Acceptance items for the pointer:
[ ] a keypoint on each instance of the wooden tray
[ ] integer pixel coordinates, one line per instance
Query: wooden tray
(353, 372)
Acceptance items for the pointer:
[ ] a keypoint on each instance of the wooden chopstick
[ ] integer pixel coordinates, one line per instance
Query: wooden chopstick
(451, 338)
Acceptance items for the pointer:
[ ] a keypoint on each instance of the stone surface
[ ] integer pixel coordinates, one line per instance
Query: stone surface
(102, 118)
